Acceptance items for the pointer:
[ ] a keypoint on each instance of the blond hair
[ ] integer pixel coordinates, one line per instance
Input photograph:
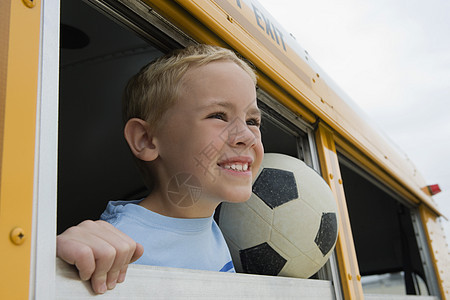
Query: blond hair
(155, 88)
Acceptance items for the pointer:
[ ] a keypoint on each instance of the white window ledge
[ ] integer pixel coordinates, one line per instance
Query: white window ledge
(397, 297)
(145, 282)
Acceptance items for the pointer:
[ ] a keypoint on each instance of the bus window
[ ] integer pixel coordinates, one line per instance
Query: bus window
(283, 132)
(387, 250)
(98, 56)
(278, 137)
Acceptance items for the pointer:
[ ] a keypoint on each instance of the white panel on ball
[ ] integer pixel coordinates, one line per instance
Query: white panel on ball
(300, 227)
(240, 217)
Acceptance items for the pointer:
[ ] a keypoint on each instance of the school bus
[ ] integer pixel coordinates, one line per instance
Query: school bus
(63, 65)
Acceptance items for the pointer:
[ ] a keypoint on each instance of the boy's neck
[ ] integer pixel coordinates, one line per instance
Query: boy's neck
(165, 207)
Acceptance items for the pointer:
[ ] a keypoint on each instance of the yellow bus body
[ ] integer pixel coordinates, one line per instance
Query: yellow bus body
(19, 63)
(285, 73)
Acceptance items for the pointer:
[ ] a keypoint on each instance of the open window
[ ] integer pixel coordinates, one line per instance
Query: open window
(98, 55)
(387, 237)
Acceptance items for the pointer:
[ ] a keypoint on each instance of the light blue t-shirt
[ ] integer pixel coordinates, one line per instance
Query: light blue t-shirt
(171, 242)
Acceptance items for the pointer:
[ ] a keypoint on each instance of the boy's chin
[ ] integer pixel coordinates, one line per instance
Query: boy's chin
(242, 196)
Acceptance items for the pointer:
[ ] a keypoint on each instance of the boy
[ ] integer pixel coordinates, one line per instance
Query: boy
(192, 122)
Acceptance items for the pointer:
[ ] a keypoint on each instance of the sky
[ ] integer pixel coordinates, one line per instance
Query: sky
(393, 59)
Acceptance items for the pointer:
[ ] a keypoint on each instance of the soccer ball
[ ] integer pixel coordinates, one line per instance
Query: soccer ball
(289, 225)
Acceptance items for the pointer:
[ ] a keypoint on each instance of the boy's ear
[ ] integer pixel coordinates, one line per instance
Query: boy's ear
(140, 139)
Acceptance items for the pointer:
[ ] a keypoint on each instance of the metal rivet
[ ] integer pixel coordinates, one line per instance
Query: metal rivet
(314, 80)
(17, 236)
(358, 277)
(349, 277)
(30, 3)
(230, 18)
(331, 176)
(340, 181)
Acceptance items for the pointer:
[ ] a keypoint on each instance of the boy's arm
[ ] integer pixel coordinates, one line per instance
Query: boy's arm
(100, 252)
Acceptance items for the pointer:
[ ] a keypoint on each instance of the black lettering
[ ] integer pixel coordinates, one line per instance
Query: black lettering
(276, 31)
(281, 38)
(269, 27)
(258, 16)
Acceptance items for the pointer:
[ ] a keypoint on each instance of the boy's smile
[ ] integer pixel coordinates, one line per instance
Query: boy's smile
(211, 132)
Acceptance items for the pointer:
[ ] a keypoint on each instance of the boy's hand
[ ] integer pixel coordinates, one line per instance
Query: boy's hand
(100, 252)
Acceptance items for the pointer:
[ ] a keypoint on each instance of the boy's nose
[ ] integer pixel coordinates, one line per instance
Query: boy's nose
(239, 135)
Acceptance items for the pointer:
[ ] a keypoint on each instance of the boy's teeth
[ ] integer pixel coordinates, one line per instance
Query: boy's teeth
(237, 167)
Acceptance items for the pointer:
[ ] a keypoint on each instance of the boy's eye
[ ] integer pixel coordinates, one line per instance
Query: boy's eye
(254, 122)
(218, 115)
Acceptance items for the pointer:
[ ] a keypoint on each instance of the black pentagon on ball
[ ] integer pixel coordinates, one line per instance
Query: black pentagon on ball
(261, 259)
(275, 187)
(327, 234)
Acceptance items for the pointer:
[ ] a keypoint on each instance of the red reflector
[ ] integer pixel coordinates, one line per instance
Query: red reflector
(434, 189)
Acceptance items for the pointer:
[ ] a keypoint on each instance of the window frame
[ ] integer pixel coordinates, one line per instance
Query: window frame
(43, 251)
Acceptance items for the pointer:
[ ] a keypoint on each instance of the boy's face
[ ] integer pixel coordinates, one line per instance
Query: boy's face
(212, 133)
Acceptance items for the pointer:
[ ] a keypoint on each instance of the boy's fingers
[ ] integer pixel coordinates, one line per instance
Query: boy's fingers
(98, 283)
(105, 256)
(78, 254)
(123, 245)
(81, 255)
(122, 274)
(137, 253)
(85, 263)
(115, 258)
(111, 280)
(100, 251)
